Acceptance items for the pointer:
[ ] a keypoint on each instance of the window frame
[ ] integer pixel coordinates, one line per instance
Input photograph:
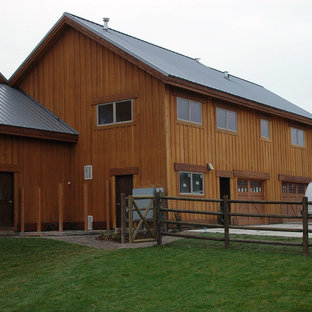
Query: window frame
(191, 183)
(297, 137)
(114, 113)
(268, 128)
(189, 111)
(226, 119)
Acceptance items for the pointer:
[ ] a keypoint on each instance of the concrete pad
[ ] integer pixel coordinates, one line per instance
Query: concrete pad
(261, 232)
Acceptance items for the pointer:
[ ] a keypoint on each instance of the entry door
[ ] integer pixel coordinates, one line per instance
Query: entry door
(6, 200)
(124, 185)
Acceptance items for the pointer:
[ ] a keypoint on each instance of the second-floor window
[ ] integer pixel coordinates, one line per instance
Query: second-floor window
(265, 128)
(226, 119)
(297, 136)
(115, 112)
(189, 110)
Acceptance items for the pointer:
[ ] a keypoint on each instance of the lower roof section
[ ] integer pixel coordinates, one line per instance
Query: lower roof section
(21, 115)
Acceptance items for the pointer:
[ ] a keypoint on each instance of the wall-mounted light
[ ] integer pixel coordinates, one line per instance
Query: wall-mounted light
(210, 166)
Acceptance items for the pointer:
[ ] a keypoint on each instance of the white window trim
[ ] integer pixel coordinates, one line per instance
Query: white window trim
(297, 140)
(191, 173)
(226, 119)
(114, 113)
(189, 111)
(268, 123)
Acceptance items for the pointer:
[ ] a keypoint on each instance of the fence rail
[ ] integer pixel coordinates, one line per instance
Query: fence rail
(162, 223)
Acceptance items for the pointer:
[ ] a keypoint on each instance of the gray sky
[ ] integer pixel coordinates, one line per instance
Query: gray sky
(268, 42)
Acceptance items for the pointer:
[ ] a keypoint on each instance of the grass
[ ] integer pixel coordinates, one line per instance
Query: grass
(38, 274)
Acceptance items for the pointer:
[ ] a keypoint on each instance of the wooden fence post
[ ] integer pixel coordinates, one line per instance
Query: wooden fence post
(22, 210)
(305, 232)
(158, 219)
(85, 206)
(60, 205)
(226, 221)
(130, 206)
(38, 189)
(123, 217)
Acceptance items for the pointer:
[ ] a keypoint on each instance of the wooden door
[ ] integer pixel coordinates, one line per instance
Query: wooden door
(292, 192)
(124, 185)
(250, 190)
(6, 200)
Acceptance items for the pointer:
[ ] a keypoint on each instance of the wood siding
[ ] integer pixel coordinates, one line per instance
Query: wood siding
(34, 166)
(70, 79)
(234, 152)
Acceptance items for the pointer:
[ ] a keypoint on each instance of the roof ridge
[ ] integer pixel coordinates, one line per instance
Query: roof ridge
(139, 39)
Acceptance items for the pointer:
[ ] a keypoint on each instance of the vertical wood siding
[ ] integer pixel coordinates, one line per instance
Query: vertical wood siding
(72, 75)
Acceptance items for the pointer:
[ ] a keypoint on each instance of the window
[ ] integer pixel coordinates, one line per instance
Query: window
(297, 136)
(189, 110)
(116, 112)
(265, 128)
(226, 119)
(191, 183)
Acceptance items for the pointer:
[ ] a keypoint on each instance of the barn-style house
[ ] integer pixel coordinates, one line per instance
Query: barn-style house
(93, 113)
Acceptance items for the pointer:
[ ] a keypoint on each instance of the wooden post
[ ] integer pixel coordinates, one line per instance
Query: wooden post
(123, 217)
(305, 232)
(154, 217)
(85, 206)
(130, 205)
(22, 210)
(38, 209)
(60, 205)
(226, 221)
(158, 219)
(108, 205)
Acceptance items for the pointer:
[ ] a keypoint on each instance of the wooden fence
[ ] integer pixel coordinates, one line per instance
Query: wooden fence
(163, 223)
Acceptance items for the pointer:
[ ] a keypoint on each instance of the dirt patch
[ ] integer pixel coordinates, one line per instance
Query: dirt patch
(92, 241)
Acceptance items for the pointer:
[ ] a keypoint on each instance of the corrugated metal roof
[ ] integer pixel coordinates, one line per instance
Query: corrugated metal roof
(20, 110)
(174, 64)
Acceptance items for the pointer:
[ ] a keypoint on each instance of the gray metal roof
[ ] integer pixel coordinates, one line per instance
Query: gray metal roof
(20, 110)
(174, 64)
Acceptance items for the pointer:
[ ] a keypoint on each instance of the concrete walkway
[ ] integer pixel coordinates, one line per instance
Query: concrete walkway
(261, 232)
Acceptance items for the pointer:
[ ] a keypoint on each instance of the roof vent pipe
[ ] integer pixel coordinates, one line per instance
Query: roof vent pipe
(105, 20)
(226, 75)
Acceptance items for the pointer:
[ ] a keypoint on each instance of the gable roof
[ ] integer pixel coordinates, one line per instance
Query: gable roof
(175, 67)
(18, 110)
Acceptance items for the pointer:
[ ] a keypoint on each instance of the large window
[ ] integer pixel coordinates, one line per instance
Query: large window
(226, 119)
(191, 183)
(116, 112)
(265, 128)
(189, 110)
(297, 136)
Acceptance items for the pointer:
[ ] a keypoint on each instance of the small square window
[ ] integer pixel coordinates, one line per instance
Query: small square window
(189, 110)
(265, 128)
(191, 183)
(226, 119)
(297, 136)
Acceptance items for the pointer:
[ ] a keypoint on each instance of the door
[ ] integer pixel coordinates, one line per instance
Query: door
(6, 200)
(225, 189)
(292, 192)
(250, 190)
(124, 185)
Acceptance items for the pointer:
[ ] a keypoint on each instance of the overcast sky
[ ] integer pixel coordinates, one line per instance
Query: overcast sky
(268, 42)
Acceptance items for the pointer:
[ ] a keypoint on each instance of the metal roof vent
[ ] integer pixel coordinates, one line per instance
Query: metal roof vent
(226, 75)
(197, 59)
(105, 20)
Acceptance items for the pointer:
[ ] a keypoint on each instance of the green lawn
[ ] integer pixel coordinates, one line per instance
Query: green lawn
(38, 274)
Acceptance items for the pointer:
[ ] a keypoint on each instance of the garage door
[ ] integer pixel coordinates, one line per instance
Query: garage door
(250, 190)
(292, 192)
